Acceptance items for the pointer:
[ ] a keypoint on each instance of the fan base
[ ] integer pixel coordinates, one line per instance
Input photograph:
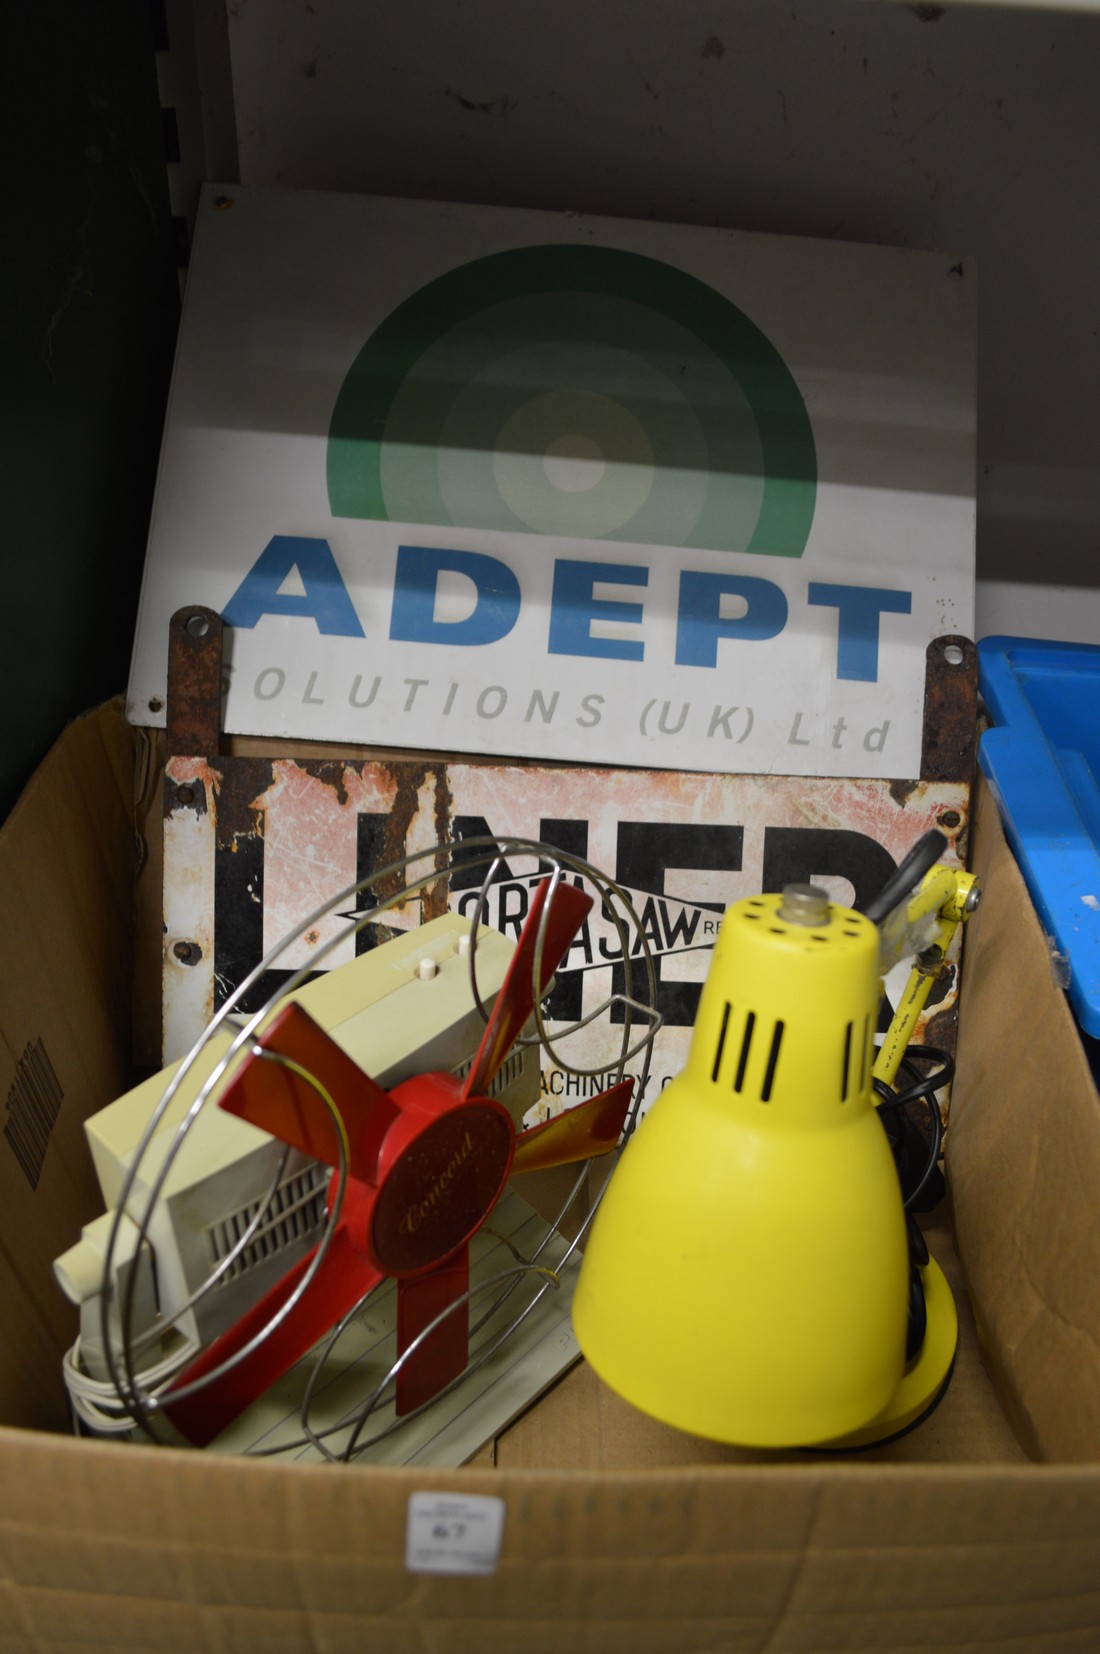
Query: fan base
(925, 1378)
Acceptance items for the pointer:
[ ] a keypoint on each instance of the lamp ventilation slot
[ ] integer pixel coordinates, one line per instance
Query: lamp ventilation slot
(746, 1046)
(845, 1075)
(773, 1063)
(720, 1047)
(295, 1212)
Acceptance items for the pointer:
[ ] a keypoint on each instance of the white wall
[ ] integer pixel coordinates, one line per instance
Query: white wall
(972, 130)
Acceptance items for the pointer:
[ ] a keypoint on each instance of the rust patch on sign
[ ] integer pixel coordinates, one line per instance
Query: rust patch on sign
(191, 784)
(409, 779)
(941, 1029)
(444, 805)
(902, 791)
(950, 710)
(240, 814)
(188, 795)
(435, 897)
(941, 987)
(194, 681)
(331, 772)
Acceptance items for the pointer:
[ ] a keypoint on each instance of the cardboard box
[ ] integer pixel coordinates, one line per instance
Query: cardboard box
(618, 1534)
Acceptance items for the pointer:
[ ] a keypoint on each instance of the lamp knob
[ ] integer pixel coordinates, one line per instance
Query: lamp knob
(804, 904)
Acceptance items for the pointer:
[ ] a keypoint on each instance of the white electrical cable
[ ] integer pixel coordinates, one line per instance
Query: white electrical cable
(97, 1403)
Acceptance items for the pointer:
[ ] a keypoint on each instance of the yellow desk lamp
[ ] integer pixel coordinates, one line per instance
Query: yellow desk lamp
(752, 1274)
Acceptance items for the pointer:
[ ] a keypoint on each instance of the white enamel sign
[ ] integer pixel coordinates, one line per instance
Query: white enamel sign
(524, 484)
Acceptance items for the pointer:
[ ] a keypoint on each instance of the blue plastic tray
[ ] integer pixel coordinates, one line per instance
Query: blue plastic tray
(1043, 761)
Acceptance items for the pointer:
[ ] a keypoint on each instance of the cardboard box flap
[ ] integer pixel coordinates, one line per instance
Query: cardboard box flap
(1023, 1161)
(66, 876)
(183, 1552)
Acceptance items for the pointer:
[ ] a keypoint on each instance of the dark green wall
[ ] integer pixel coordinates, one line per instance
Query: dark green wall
(89, 312)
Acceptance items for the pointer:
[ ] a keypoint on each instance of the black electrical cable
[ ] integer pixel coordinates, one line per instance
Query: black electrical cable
(924, 854)
(923, 1089)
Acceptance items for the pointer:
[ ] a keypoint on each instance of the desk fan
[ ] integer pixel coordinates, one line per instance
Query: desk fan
(417, 1168)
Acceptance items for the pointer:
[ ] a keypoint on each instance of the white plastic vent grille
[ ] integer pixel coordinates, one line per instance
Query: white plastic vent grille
(295, 1214)
(510, 1069)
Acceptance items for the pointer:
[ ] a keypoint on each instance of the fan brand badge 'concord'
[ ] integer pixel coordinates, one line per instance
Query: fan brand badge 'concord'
(523, 484)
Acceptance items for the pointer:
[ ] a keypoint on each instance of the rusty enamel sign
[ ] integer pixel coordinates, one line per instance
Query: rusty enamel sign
(254, 845)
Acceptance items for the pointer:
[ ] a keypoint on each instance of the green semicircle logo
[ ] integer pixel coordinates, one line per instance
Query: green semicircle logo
(576, 391)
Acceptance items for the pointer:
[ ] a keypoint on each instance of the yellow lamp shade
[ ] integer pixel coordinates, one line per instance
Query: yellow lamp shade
(746, 1277)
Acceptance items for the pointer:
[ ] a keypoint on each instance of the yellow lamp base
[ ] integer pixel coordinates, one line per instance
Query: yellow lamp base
(925, 1378)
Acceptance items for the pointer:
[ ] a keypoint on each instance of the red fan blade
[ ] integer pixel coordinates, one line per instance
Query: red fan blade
(592, 1127)
(516, 999)
(340, 1282)
(444, 1353)
(274, 1097)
